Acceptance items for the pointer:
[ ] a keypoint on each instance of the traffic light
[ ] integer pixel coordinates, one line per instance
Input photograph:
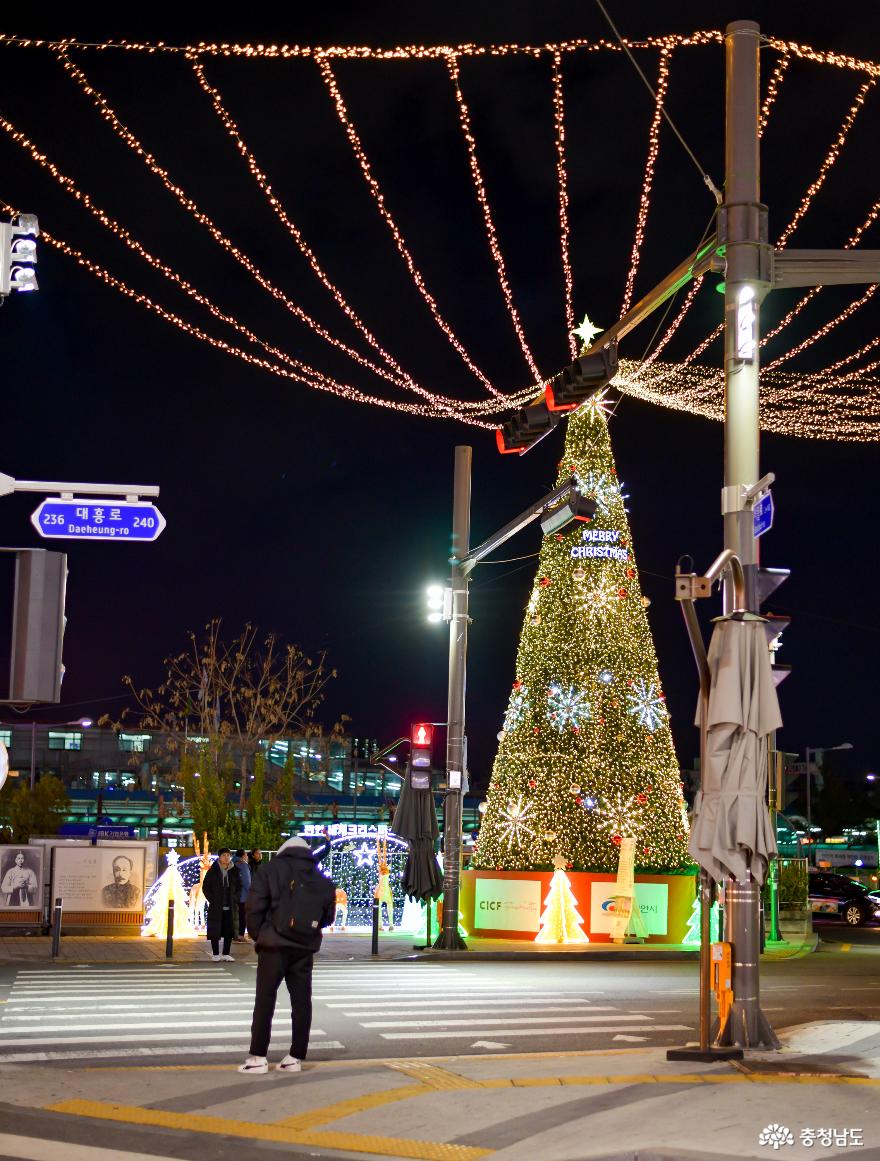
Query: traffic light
(18, 254)
(585, 376)
(768, 581)
(525, 428)
(421, 738)
(38, 626)
(576, 507)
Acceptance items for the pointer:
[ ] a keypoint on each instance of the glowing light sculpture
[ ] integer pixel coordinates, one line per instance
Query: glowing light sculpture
(560, 921)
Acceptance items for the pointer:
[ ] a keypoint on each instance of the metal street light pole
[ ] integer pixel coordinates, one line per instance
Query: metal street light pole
(742, 230)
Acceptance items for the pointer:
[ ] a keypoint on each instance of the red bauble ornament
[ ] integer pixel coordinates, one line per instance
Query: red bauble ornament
(621, 593)
(601, 721)
(648, 789)
(616, 839)
(568, 866)
(536, 730)
(622, 543)
(559, 536)
(575, 729)
(641, 799)
(630, 572)
(544, 582)
(532, 783)
(517, 684)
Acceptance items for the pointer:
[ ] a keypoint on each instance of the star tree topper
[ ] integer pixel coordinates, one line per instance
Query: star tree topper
(586, 332)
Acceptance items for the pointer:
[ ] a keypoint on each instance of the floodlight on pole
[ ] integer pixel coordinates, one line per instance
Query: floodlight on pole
(439, 604)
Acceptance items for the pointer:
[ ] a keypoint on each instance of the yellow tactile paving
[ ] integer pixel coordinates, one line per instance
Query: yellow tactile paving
(431, 1076)
(219, 1126)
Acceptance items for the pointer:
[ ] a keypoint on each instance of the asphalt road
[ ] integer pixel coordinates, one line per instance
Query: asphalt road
(200, 1012)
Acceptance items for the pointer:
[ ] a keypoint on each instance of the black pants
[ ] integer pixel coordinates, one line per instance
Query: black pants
(225, 931)
(294, 966)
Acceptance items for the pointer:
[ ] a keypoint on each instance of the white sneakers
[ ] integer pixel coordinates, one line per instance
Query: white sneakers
(216, 958)
(230, 958)
(259, 1064)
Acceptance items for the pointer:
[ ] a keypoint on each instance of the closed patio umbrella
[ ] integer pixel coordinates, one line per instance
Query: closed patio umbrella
(731, 835)
(415, 821)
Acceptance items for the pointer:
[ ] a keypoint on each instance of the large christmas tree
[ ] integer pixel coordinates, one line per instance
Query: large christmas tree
(586, 756)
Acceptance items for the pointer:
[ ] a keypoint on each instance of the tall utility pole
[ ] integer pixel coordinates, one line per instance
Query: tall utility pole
(449, 939)
(742, 230)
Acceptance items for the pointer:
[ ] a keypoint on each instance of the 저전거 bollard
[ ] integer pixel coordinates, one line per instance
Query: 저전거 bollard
(169, 931)
(375, 944)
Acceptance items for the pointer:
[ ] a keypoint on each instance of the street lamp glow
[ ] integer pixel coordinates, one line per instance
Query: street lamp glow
(435, 596)
(435, 616)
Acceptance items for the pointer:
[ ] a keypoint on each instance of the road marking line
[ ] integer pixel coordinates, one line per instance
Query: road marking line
(100, 1039)
(119, 1053)
(218, 1126)
(536, 1031)
(611, 1014)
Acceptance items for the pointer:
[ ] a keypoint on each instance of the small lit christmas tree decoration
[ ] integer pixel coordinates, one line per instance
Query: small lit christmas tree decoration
(560, 922)
(168, 886)
(567, 707)
(601, 599)
(646, 704)
(592, 763)
(692, 935)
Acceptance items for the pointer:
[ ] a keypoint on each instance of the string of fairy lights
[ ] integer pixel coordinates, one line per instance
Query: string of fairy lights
(482, 198)
(562, 180)
(794, 403)
(648, 180)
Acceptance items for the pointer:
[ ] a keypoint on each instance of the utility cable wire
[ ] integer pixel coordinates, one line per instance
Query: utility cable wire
(707, 180)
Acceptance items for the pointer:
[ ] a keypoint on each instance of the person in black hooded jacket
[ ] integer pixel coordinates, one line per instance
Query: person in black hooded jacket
(285, 957)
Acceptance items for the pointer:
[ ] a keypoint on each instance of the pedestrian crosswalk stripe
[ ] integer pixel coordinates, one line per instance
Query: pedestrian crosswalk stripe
(509, 1001)
(508, 1032)
(152, 1037)
(505, 1021)
(141, 1051)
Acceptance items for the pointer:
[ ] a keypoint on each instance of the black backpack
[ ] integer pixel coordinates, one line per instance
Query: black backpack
(302, 901)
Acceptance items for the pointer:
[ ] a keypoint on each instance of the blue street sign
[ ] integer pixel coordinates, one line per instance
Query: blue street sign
(762, 514)
(98, 520)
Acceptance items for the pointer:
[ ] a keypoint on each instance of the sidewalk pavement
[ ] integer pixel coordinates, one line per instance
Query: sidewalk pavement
(15, 949)
(624, 1105)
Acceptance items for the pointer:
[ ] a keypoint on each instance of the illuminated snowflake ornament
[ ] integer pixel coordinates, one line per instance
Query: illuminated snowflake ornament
(532, 606)
(517, 708)
(515, 821)
(600, 487)
(567, 706)
(598, 406)
(601, 599)
(646, 704)
(620, 814)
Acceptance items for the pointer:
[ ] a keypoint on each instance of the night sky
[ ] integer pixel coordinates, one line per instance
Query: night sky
(323, 519)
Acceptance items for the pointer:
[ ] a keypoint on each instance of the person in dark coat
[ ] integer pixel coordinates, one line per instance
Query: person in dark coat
(240, 862)
(222, 890)
(280, 957)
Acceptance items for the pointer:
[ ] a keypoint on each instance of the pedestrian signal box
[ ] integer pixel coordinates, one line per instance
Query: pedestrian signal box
(422, 739)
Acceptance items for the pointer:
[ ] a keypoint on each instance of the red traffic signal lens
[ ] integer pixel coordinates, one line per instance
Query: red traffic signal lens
(422, 734)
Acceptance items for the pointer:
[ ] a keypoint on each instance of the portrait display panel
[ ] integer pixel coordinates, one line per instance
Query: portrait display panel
(21, 878)
(99, 879)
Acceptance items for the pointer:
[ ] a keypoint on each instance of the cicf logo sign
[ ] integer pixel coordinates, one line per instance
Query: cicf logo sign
(652, 898)
(507, 904)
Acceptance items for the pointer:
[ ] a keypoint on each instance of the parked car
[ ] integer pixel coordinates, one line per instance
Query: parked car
(832, 894)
